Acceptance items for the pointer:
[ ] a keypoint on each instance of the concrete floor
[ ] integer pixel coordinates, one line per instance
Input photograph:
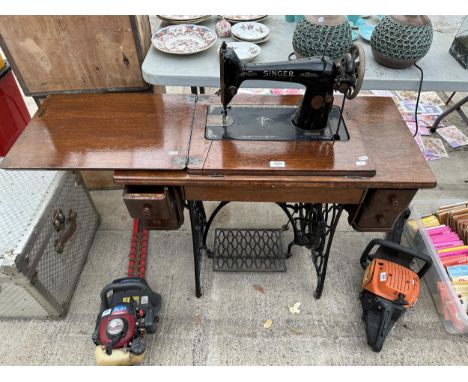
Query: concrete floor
(225, 326)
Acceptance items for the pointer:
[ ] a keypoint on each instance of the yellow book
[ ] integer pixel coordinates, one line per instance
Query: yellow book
(430, 221)
(460, 279)
(445, 250)
(462, 287)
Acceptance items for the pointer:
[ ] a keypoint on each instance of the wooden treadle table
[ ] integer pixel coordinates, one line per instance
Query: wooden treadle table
(157, 147)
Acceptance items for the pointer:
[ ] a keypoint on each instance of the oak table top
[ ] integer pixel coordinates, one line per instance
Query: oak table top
(106, 132)
(147, 137)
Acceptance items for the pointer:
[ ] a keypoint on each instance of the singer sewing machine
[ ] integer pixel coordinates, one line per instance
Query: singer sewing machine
(314, 118)
(260, 134)
(306, 154)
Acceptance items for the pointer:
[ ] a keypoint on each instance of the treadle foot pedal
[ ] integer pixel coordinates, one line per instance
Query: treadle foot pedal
(248, 250)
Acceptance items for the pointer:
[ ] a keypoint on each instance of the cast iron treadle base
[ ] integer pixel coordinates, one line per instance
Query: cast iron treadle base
(314, 226)
(248, 250)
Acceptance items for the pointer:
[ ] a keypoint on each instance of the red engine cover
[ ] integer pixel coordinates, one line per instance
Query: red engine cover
(126, 314)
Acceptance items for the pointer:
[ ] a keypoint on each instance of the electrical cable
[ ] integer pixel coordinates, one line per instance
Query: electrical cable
(335, 135)
(417, 100)
(327, 39)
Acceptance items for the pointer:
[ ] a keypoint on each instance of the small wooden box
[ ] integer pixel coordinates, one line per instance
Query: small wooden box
(76, 54)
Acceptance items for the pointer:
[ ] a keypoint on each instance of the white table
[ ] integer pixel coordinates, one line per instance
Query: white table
(441, 71)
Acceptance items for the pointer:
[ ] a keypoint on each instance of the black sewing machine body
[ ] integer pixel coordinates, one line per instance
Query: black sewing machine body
(315, 118)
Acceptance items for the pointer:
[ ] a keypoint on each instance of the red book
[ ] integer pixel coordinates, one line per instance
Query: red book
(454, 260)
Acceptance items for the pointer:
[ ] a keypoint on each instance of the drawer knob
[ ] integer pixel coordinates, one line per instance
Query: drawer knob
(379, 218)
(146, 210)
(394, 200)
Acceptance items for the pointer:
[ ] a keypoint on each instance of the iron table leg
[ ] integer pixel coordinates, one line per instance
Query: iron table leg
(195, 90)
(197, 223)
(314, 228)
(452, 108)
(208, 225)
(319, 256)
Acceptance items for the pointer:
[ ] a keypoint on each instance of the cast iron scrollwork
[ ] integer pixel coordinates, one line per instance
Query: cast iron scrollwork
(313, 224)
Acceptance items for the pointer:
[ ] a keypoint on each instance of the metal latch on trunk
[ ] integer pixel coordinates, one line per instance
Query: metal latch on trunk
(60, 222)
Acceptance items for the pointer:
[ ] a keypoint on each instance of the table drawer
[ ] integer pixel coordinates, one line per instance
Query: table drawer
(158, 207)
(380, 209)
(258, 193)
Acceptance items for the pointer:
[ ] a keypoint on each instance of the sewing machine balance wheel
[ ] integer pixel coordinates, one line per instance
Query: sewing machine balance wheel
(359, 59)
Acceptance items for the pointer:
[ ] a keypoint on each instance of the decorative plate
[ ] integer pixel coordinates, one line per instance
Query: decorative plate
(366, 31)
(256, 42)
(183, 19)
(238, 18)
(250, 31)
(183, 39)
(246, 51)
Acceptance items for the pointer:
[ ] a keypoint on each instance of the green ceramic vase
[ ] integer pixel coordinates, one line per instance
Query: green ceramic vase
(311, 34)
(400, 41)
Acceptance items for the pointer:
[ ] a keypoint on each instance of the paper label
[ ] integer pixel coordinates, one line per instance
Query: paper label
(127, 299)
(361, 163)
(173, 153)
(364, 157)
(277, 163)
(119, 309)
(106, 312)
(144, 299)
(383, 276)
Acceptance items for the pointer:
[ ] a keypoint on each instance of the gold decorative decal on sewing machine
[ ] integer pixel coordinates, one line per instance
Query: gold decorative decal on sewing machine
(278, 73)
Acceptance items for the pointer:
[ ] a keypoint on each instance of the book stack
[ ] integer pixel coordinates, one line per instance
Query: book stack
(447, 232)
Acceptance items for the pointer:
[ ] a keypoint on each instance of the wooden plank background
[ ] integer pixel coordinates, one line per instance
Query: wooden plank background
(76, 53)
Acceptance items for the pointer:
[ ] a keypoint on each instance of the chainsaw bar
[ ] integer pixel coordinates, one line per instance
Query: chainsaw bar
(138, 250)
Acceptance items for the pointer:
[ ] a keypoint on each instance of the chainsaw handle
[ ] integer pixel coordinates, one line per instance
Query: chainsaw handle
(115, 287)
(397, 248)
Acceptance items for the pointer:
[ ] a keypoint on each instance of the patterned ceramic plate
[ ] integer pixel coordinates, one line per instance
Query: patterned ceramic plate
(184, 19)
(237, 18)
(250, 31)
(183, 39)
(256, 42)
(246, 51)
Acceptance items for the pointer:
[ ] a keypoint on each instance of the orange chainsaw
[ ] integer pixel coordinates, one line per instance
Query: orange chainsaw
(389, 285)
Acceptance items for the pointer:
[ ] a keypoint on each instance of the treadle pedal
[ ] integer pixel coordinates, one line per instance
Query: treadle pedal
(248, 250)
